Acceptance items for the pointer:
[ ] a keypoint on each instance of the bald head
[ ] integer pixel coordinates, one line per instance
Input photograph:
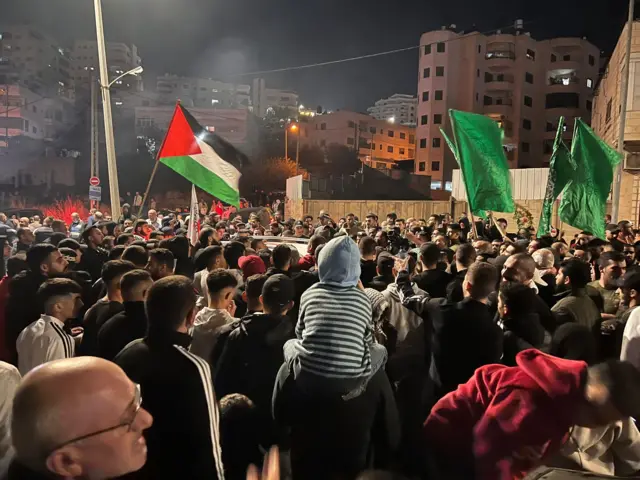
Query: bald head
(519, 268)
(64, 400)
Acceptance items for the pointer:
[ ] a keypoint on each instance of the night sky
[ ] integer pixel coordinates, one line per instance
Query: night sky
(221, 38)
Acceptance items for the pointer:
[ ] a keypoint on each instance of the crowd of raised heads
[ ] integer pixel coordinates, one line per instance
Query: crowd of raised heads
(315, 348)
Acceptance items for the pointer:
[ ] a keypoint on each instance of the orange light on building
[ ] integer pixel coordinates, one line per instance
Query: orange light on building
(293, 127)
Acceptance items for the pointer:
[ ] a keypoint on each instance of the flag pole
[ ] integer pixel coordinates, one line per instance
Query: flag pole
(473, 225)
(624, 93)
(155, 167)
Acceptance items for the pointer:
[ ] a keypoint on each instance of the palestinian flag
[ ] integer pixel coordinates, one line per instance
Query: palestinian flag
(202, 157)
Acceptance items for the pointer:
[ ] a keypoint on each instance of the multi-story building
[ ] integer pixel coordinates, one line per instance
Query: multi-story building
(120, 59)
(524, 84)
(398, 108)
(606, 119)
(380, 144)
(232, 124)
(36, 60)
(264, 99)
(203, 92)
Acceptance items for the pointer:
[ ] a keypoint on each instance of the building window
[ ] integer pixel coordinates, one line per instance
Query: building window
(436, 185)
(479, 48)
(526, 124)
(403, 136)
(608, 114)
(478, 73)
(425, 96)
(547, 147)
(528, 77)
(549, 127)
(531, 55)
(589, 83)
(350, 141)
(477, 97)
(427, 49)
(422, 166)
(589, 106)
(439, 71)
(440, 47)
(423, 143)
(488, 77)
(528, 101)
(438, 95)
(562, 100)
(412, 153)
(380, 147)
(323, 126)
(592, 60)
(372, 130)
(26, 125)
(437, 118)
(525, 147)
(424, 119)
(412, 139)
(390, 149)
(426, 73)
(380, 165)
(566, 58)
(487, 100)
(401, 151)
(435, 166)
(373, 146)
(350, 124)
(553, 58)
(435, 143)
(390, 133)
(34, 129)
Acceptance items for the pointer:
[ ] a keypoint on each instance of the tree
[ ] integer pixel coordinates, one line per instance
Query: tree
(333, 160)
(268, 176)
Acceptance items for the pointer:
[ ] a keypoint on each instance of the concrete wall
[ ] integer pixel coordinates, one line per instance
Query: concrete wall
(360, 208)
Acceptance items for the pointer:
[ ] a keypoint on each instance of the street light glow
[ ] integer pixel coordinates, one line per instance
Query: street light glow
(294, 127)
(392, 120)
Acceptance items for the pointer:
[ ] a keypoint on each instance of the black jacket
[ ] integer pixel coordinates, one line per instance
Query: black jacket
(381, 282)
(93, 321)
(22, 307)
(547, 292)
(521, 332)
(92, 261)
(332, 438)
(465, 337)
(434, 282)
(454, 288)
(368, 270)
(250, 362)
(122, 329)
(177, 391)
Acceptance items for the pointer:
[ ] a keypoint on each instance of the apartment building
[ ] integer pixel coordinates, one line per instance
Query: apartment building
(380, 144)
(203, 92)
(522, 83)
(606, 119)
(36, 60)
(264, 99)
(398, 108)
(120, 59)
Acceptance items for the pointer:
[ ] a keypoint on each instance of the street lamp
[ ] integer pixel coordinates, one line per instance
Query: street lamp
(294, 129)
(105, 85)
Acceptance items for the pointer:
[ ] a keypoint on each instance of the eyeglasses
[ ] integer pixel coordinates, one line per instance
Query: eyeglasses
(136, 403)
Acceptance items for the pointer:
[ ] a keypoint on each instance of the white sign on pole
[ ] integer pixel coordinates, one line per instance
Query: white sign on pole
(95, 192)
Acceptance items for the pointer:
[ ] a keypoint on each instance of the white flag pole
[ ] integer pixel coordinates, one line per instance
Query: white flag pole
(194, 215)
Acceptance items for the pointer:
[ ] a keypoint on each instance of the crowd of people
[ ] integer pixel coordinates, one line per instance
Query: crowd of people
(357, 349)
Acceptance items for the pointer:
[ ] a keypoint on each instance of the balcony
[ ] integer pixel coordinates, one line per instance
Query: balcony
(500, 59)
(500, 83)
(500, 108)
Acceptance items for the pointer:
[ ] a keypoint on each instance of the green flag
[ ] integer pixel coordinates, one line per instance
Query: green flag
(584, 199)
(561, 169)
(477, 144)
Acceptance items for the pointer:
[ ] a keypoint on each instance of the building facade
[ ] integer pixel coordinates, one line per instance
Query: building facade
(203, 92)
(232, 125)
(398, 108)
(380, 144)
(606, 119)
(120, 59)
(264, 99)
(524, 84)
(36, 60)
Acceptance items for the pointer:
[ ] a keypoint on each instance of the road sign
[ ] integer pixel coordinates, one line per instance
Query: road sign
(95, 181)
(95, 192)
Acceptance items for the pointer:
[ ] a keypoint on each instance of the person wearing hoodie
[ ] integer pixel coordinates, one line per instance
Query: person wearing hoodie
(222, 286)
(334, 352)
(518, 320)
(307, 262)
(253, 353)
(131, 324)
(506, 421)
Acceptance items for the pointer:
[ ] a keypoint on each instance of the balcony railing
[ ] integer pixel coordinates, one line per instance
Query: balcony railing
(500, 54)
(564, 80)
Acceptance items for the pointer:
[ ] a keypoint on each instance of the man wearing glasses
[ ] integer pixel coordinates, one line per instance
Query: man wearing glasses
(78, 418)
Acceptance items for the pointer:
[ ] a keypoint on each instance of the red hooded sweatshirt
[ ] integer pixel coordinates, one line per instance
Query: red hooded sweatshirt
(504, 421)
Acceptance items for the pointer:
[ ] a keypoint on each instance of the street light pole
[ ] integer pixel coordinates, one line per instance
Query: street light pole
(624, 93)
(297, 150)
(286, 142)
(114, 189)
